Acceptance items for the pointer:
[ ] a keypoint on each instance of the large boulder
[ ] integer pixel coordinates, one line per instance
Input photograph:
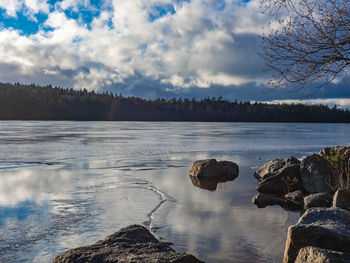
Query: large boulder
(131, 244)
(327, 228)
(341, 199)
(286, 180)
(211, 169)
(263, 200)
(319, 255)
(318, 175)
(318, 200)
(274, 167)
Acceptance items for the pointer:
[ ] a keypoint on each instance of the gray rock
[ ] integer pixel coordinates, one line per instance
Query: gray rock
(318, 175)
(273, 167)
(319, 255)
(341, 199)
(327, 228)
(211, 169)
(296, 196)
(263, 200)
(131, 244)
(286, 180)
(318, 200)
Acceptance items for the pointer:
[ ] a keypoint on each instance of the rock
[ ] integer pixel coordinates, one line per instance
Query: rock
(327, 228)
(207, 184)
(286, 180)
(318, 200)
(130, 244)
(318, 175)
(211, 169)
(319, 255)
(341, 199)
(263, 200)
(296, 196)
(273, 167)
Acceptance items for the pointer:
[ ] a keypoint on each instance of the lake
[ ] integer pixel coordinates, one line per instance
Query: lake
(68, 184)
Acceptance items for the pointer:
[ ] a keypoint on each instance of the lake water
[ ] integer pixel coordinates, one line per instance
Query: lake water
(68, 184)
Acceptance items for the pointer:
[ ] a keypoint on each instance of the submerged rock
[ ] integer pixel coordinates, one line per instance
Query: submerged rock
(318, 175)
(130, 244)
(263, 200)
(341, 199)
(319, 255)
(286, 180)
(212, 170)
(318, 200)
(326, 228)
(274, 167)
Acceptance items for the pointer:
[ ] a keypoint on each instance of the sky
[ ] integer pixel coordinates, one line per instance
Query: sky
(145, 48)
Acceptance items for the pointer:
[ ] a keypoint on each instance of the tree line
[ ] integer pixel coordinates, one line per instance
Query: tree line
(33, 102)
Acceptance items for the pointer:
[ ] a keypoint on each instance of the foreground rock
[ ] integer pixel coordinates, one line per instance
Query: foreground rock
(341, 199)
(319, 255)
(213, 170)
(263, 200)
(318, 200)
(318, 175)
(274, 167)
(326, 228)
(131, 244)
(286, 180)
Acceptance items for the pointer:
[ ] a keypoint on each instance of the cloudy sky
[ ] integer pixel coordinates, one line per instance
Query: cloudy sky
(147, 48)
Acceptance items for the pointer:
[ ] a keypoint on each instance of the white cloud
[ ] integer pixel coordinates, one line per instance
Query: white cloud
(201, 44)
(339, 102)
(28, 7)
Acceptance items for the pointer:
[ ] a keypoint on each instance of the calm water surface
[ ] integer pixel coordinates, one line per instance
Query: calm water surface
(68, 184)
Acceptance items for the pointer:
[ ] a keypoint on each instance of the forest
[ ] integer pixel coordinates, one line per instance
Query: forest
(33, 102)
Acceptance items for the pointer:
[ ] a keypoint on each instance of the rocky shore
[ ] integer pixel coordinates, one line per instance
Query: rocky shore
(129, 245)
(318, 187)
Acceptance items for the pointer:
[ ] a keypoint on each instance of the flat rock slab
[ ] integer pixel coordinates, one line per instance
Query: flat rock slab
(130, 244)
(326, 228)
(263, 200)
(319, 255)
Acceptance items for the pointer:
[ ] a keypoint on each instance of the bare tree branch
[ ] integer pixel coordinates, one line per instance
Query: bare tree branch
(308, 42)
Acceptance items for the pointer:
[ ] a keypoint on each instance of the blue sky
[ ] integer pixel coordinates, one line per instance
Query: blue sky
(152, 48)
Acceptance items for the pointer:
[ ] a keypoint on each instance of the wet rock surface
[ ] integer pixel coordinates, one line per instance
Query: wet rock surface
(274, 167)
(319, 255)
(130, 244)
(263, 200)
(325, 228)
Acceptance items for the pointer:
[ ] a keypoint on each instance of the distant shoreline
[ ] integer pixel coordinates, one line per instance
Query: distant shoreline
(41, 103)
